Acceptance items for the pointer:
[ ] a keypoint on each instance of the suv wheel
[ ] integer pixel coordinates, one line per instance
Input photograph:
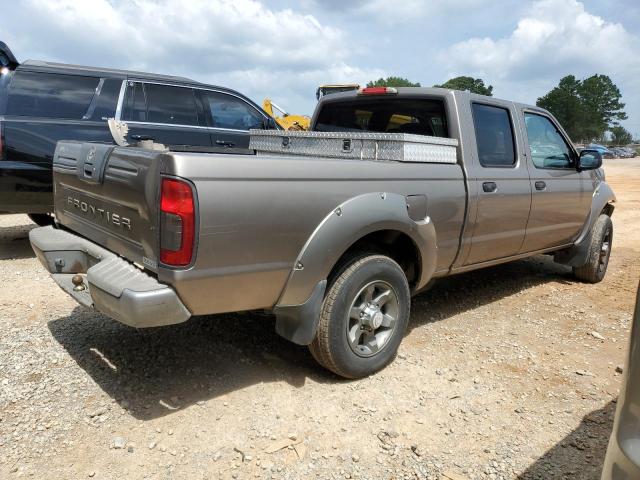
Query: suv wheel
(599, 252)
(363, 317)
(41, 219)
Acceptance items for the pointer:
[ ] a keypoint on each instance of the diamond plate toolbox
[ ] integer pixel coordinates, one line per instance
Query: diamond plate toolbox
(398, 147)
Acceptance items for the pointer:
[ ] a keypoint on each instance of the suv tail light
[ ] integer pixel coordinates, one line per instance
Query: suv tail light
(1, 141)
(377, 91)
(177, 222)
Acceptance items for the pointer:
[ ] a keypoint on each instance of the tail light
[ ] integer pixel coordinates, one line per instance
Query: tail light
(1, 141)
(377, 91)
(177, 222)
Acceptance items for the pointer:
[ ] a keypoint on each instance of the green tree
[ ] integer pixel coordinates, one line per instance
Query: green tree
(601, 103)
(392, 82)
(585, 108)
(566, 105)
(620, 135)
(468, 84)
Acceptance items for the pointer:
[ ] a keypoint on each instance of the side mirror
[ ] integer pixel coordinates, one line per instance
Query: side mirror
(589, 160)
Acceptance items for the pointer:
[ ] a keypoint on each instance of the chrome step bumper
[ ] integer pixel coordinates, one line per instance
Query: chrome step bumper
(111, 284)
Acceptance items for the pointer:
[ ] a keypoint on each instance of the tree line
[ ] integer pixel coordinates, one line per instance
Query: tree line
(587, 108)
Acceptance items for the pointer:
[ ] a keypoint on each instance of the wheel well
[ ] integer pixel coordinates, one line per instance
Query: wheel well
(393, 243)
(608, 209)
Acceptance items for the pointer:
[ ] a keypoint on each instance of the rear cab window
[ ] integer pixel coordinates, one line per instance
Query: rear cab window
(50, 95)
(494, 135)
(421, 116)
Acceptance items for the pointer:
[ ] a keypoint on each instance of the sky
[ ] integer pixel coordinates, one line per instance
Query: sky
(284, 49)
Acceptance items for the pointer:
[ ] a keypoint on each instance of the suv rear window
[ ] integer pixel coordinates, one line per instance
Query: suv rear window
(231, 112)
(171, 105)
(52, 95)
(402, 115)
(135, 108)
(105, 104)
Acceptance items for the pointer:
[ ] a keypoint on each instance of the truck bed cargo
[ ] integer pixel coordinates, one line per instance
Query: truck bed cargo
(399, 147)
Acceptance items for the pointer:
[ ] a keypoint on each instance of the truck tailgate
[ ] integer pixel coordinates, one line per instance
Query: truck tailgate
(110, 195)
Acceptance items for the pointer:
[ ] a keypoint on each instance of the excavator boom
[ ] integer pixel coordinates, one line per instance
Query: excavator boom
(284, 119)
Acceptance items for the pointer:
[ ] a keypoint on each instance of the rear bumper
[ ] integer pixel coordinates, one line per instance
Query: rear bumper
(112, 285)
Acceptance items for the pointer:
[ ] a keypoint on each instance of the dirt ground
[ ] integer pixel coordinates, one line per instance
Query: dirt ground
(509, 372)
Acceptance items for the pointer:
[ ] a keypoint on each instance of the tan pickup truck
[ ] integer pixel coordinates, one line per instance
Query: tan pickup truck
(332, 230)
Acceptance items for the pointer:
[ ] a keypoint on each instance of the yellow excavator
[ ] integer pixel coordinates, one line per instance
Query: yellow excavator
(284, 119)
(302, 122)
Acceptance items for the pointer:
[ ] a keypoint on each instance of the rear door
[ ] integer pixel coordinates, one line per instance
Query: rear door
(561, 196)
(501, 194)
(169, 114)
(230, 118)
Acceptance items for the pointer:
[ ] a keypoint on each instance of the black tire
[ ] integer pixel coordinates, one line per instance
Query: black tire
(599, 252)
(331, 346)
(41, 219)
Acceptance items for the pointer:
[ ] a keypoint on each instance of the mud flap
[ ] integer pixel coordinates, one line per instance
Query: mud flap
(298, 323)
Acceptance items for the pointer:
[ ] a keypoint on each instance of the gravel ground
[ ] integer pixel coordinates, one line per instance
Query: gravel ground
(509, 372)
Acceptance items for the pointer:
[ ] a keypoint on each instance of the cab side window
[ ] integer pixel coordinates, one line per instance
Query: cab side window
(548, 147)
(494, 136)
(231, 112)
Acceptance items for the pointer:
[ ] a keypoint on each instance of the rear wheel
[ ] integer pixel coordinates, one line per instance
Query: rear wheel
(41, 219)
(363, 317)
(599, 252)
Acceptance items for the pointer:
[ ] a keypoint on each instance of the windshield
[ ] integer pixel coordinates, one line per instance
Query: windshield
(419, 116)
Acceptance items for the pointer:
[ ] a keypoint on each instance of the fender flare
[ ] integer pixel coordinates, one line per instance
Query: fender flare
(298, 309)
(577, 255)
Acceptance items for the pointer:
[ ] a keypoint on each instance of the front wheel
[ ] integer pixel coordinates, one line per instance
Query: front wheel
(599, 252)
(363, 317)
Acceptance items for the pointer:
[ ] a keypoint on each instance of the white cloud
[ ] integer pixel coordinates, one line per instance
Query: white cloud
(211, 35)
(555, 33)
(286, 48)
(390, 12)
(291, 89)
(407, 11)
(554, 38)
(256, 48)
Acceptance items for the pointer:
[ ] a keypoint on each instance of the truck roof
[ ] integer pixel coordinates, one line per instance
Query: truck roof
(334, 97)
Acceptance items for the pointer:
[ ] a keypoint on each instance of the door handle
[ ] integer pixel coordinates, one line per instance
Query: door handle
(489, 187)
(140, 138)
(224, 143)
(540, 185)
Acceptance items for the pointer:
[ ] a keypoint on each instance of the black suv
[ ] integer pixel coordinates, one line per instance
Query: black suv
(42, 102)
